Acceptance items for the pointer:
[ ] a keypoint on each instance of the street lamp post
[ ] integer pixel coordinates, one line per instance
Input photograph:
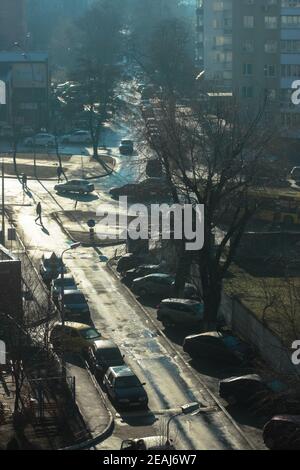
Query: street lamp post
(62, 307)
(72, 247)
(189, 408)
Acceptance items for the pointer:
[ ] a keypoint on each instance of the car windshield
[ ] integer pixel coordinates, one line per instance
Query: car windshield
(52, 263)
(112, 354)
(75, 299)
(128, 382)
(90, 333)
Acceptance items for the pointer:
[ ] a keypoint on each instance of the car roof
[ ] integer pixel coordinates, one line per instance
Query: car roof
(181, 301)
(75, 325)
(78, 181)
(72, 291)
(105, 344)
(161, 275)
(122, 371)
(253, 377)
(208, 334)
(66, 276)
(288, 418)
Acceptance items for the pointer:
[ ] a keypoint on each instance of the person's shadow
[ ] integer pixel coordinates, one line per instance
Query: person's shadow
(40, 224)
(45, 230)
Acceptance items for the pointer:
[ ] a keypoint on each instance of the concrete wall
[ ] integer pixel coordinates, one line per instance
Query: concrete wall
(246, 325)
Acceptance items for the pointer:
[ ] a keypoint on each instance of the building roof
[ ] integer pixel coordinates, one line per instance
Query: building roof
(18, 56)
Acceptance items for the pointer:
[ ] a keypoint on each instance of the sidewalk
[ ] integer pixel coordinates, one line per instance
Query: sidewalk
(75, 166)
(91, 404)
(89, 398)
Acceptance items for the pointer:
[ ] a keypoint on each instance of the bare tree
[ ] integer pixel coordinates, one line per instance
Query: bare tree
(214, 160)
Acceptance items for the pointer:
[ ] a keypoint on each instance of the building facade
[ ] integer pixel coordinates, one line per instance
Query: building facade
(11, 285)
(252, 47)
(12, 23)
(26, 80)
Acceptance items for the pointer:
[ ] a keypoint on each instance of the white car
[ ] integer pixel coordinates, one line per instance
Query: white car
(80, 137)
(42, 139)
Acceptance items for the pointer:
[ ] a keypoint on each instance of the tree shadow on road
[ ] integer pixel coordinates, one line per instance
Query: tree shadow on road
(80, 198)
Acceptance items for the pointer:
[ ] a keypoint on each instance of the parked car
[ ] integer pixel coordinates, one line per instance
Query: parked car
(76, 307)
(148, 443)
(77, 137)
(51, 267)
(73, 337)
(244, 389)
(264, 396)
(124, 388)
(141, 271)
(180, 312)
(104, 354)
(161, 285)
(126, 147)
(212, 346)
(282, 432)
(68, 282)
(75, 186)
(128, 261)
(42, 140)
(151, 187)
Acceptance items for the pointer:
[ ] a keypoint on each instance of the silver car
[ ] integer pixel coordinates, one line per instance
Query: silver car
(42, 140)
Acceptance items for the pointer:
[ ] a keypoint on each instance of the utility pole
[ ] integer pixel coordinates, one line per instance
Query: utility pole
(3, 208)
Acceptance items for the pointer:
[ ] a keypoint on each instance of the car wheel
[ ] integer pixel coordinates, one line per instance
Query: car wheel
(270, 443)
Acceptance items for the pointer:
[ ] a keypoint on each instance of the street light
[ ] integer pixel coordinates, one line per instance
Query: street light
(71, 247)
(189, 408)
(62, 311)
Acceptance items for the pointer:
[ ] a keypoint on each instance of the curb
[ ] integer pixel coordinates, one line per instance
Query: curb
(89, 178)
(178, 354)
(107, 431)
(84, 244)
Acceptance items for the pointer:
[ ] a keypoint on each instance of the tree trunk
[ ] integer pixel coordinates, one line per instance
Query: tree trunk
(212, 301)
(183, 270)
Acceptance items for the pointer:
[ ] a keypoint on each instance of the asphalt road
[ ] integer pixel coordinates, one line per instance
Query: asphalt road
(169, 382)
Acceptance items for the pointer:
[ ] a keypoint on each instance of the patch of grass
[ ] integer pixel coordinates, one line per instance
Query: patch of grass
(273, 300)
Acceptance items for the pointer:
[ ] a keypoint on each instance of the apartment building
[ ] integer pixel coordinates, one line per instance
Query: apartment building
(214, 42)
(252, 47)
(26, 80)
(12, 23)
(289, 62)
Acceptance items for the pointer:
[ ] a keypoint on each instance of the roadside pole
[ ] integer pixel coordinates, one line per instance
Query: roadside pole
(62, 307)
(3, 208)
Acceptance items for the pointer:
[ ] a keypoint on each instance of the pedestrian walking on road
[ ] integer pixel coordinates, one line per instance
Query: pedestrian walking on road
(59, 172)
(39, 213)
(24, 182)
